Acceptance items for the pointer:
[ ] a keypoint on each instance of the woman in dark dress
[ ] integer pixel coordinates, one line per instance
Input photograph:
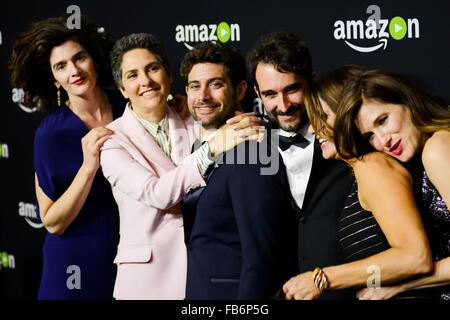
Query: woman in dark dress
(379, 231)
(387, 112)
(66, 70)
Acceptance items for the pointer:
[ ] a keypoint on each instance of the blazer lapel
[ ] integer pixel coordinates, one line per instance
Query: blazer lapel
(180, 139)
(145, 143)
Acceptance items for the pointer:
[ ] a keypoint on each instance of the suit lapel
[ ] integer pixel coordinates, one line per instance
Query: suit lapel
(144, 142)
(179, 138)
(319, 167)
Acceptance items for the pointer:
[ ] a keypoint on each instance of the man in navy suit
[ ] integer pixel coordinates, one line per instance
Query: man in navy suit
(242, 244)
(280, 66)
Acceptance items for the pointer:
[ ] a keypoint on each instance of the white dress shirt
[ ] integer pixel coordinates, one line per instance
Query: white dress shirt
(298, 162)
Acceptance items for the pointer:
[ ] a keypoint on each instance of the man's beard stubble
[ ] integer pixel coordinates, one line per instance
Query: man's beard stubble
(303, 118)
(219, 120)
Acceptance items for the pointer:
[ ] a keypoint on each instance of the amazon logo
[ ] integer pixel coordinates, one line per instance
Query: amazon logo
(374, 33)
(192, 33)
(18, 96)
(28, 212)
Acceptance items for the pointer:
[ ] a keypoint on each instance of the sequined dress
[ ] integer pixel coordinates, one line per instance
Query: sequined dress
(436, 218)
(437, 222)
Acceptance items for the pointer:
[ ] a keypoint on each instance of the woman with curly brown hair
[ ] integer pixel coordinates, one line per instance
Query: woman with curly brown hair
(65, 71)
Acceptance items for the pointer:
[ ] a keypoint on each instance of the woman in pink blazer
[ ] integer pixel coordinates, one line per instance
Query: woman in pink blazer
(150, 168)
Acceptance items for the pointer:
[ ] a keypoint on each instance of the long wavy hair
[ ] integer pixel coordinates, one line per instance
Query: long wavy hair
(29, 62)
(328, 88)
(429, 112)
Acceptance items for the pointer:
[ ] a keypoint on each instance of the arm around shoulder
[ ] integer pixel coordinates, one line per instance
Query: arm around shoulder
(139, 181)
(385, 189)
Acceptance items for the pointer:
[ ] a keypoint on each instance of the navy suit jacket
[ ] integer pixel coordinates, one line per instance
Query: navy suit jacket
(243, 240)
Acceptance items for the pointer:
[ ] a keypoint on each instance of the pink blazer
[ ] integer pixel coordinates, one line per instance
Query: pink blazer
(147, 186)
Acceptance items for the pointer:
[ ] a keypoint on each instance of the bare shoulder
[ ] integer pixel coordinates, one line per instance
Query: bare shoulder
(378, 164)
(379, 175)
(437, 149)
(435, 159)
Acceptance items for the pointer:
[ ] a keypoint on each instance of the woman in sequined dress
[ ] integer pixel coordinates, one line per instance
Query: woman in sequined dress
(387, 112)
(381, 241)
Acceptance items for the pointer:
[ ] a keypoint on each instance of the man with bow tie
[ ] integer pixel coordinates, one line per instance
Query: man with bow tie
(241, 227)
(280, 66)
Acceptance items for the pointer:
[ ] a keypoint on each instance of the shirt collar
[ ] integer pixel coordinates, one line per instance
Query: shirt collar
(152, 127)
(303, 131)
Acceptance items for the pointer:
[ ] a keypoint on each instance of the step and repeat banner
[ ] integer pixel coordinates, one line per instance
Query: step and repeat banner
(412, 37)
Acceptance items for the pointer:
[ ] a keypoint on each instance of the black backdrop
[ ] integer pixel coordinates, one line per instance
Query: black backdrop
(423, 53)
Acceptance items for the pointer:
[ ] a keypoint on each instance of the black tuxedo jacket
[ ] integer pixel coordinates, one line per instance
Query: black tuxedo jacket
(327, 189)
(243, 240)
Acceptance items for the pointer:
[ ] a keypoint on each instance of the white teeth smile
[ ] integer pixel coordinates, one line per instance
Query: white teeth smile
(206, 106)
(205, 110)
(146, 93)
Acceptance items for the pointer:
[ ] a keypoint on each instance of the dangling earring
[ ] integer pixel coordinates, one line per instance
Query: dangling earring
(58, 97)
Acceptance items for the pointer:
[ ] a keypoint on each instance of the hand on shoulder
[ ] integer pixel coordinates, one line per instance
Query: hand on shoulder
(91, 144)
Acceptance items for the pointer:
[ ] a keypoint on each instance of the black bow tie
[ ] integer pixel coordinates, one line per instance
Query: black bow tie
(197, 144)
(298, 140)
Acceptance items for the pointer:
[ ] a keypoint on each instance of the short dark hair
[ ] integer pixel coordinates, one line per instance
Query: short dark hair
(285, 51)
(219, 53)
(29, 61)
(137, 41)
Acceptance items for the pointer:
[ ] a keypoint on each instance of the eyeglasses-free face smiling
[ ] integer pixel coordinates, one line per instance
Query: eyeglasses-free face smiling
(210, 94)
(282, 95)
(326, 142)
(145, 81)
(389, 129)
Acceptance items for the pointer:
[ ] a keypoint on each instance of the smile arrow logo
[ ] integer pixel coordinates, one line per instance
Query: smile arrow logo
(383, 43)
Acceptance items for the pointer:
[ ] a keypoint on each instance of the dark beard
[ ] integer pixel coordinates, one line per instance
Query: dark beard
(275, 124)
(217, 122)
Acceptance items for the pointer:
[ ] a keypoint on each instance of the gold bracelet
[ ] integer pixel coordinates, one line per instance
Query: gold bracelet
(320, 279)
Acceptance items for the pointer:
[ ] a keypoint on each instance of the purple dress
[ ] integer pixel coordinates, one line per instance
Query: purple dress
(78, 264)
